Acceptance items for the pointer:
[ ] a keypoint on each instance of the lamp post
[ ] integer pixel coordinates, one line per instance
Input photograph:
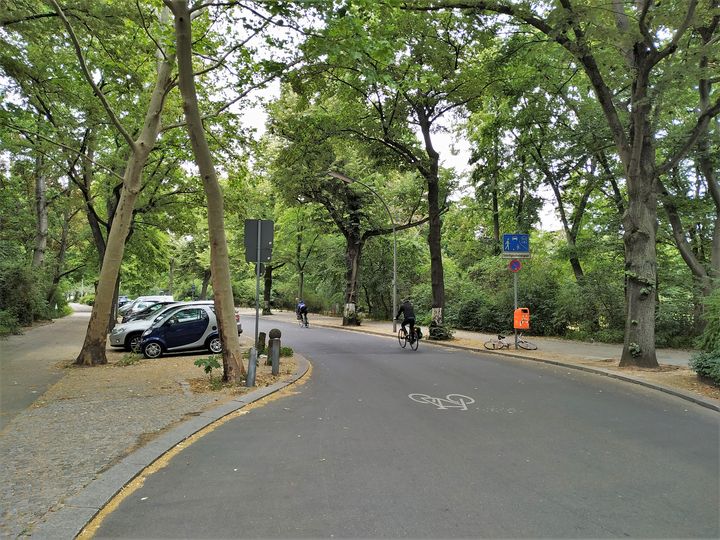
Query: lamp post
(349, 180)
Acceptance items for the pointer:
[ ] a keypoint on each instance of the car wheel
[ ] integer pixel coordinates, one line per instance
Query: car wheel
(215, 345)
(152, 350)
(132, 343)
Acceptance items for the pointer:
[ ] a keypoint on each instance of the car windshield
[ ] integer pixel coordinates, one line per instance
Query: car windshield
(164, 315)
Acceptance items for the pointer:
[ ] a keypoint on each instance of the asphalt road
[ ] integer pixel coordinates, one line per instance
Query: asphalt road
(441, 443)
(29, 362)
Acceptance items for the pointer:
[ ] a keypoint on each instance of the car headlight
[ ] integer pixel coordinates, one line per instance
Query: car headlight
(147, 332)
(117, 330)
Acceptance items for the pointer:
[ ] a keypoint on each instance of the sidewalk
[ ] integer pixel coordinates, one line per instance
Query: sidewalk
(674, 376)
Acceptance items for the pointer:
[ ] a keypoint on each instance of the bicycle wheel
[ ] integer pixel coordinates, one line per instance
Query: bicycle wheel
(526, 345)
(402, 338)
(493, 344)
(415, 343)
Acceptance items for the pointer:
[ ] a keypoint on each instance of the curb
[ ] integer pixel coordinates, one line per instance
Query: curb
(698, 400)
(78, 510)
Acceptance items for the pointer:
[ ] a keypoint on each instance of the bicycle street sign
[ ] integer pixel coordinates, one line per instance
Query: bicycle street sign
(516, 246)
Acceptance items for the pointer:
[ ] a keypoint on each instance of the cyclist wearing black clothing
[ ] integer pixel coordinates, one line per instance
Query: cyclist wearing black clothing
(408, 313)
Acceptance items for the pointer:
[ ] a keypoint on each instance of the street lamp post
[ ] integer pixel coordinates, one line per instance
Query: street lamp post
(349, 180)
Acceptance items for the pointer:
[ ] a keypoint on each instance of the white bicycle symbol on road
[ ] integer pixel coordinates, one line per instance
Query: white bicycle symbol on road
(451, 401)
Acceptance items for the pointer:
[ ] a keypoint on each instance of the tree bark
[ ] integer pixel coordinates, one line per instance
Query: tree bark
(207, 274)
(437, 275)
(353, 252)
(93, 349)
(267, 287)
(233, 367)
(41, 214)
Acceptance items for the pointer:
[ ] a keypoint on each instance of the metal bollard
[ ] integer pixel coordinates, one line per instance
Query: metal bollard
(274, 355)
(250, 381)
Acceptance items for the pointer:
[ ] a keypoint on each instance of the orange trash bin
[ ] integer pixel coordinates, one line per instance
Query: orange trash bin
(522, 319)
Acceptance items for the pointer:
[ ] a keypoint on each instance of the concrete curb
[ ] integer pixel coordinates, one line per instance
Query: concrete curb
(698, 400)
(78, 510)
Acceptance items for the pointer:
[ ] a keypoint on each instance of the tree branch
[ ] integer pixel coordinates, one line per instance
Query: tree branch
(83, 66)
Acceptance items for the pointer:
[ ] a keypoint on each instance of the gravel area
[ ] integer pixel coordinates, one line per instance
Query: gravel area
(91, 419)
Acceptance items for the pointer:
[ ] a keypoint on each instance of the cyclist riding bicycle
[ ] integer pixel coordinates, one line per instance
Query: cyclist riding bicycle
(408, 313)
(301, 310)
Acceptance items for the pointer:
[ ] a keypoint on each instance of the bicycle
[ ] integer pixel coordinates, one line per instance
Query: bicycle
(404, 339)
(502, 343)
(302, 323)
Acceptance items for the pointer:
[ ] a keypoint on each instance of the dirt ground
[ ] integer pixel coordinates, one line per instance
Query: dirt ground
(676, 377)
(145, 378)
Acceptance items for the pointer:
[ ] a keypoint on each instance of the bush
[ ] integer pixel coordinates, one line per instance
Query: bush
(674, 319)
(710, 338)
(286, 351)
(707, 365)
(8, 323)
(88, 299)
(22, 293)
(608, 335)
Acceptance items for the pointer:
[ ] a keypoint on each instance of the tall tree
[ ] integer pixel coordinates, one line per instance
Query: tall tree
(93, 350)
(652, 39)
(402, 97)
(233, 367)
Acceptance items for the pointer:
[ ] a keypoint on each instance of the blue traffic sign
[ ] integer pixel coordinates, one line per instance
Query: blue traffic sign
(516, 243)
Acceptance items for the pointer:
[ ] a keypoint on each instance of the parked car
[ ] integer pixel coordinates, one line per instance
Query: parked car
(141, 302)
(184, 328)
(148, 311)
(122, 300)
(127, 335)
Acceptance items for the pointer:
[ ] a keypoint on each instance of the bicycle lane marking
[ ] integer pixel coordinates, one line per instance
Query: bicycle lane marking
(451, 401)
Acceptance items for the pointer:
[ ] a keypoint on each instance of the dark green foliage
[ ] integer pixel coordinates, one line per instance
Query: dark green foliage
(474, 310)
(22, 294)
(710, 338)
(439, 333)
(88, 299)
(674, 318)
(286, 351)
(707, 365)
(8, 323)
(208, 364)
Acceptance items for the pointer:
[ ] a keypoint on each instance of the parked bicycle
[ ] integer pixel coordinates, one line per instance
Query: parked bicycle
(404, 338)
(502, 342)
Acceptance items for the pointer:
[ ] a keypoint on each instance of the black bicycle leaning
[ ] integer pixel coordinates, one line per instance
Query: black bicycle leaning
(404, 338)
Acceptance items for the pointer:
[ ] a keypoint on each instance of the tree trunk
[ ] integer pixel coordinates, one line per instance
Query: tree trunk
(497, 249)
(205, 283)
(85, 188)
(267, 290)
(41, 213)
(640, 224)
(437, 276)
(60, 258)
(233, 367)
(353, 250)
(93, 349)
